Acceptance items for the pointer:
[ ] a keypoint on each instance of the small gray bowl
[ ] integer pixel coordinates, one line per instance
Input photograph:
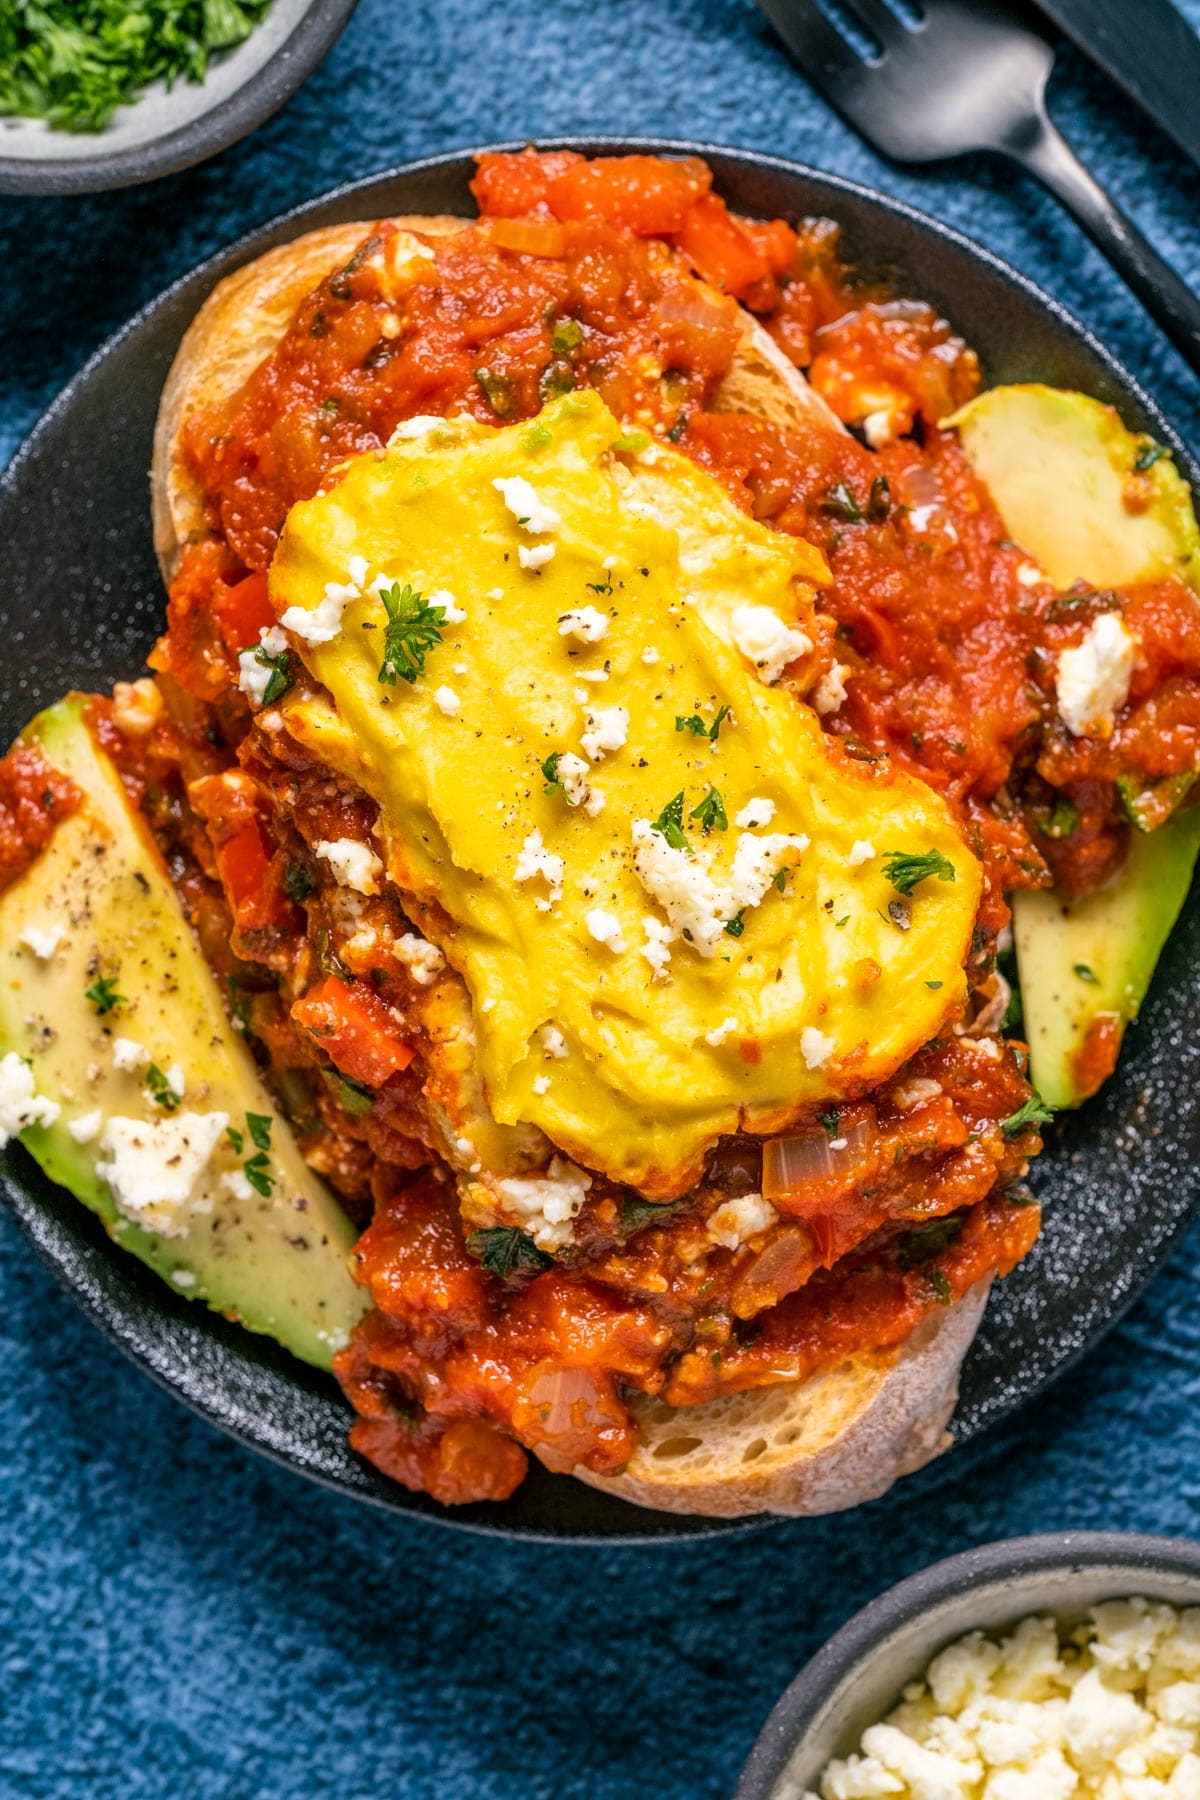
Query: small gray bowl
(166, 129)
(860, 1673)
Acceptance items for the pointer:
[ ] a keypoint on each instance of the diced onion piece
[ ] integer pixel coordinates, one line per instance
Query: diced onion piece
(532, 237)
(792, 1163)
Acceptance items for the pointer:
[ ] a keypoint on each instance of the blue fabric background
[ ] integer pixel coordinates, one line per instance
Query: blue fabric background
(180, 1618)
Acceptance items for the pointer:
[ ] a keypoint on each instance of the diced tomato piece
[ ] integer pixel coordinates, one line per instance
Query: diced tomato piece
(645, 194)
(242, 862)
(355, 1029)
(243, 610)
(510, 184)
(722, 248)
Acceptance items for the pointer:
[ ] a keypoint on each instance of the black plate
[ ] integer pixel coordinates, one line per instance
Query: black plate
(74, 515)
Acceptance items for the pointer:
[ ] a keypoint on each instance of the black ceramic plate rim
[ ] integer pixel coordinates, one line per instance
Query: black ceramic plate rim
(1058, 1552)
(264, 91)
(658, 1527)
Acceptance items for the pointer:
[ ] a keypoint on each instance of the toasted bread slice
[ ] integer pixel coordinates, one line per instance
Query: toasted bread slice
(845, 1434)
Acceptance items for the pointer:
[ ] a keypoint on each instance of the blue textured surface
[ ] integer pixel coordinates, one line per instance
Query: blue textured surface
(177, 1617)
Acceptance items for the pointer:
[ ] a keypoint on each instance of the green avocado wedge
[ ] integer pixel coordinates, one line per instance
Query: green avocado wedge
(163, 1126)
(1056, 464)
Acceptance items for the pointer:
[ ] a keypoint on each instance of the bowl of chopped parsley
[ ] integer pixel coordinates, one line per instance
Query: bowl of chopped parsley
(105, 93)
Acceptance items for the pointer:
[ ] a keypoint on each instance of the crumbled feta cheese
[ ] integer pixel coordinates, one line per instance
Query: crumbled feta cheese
(523, 503)
(446, 701)
(238, 1184)
(572, 773)
(906, 1096)
(254, 672)
(535, 556)
(657, 947)
(541, 1084)
(20, 1103)
(184, 1278)
(354, 865)
(766, 640)
(545, 1205)
(418, 427)
(880, 428)
(1093, 678)
(322, 623)
(815, 1047)
(605, 927)
(649, 655)
(716, 1037)
(860, 852)
(127, 1053)
(1043, 1715)
(153, 1167)
(536, 860)
(591, 674)
(177, 1080)
(755, 814)
(734, 1223)
(698, 906)
(829, 695)
(45, 942)
(86, 1127)
(423, 960)
(553, 1042)
(1029, 575)
(137, 707)
(454, 613)
(606, 730)
(585, 623)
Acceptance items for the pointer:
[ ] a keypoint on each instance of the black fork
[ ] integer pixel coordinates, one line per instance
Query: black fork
(958, 75)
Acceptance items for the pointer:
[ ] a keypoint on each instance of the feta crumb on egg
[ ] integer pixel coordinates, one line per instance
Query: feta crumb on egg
(1093, 678)
(535, 556)
(536, 860)
(698, 906)
(716, 1037)
(860, 852)
(523, 503)
(592, 674)
(605, 927)
(354, 865)
(153, 1167)
(238, 1184)
(454, 613)
(541, 1084)
(86, 1127)
(254, 673)
(734, 1223)
(545, 1205)
(1108, 1711)
(446, 701)
(177, 1080)
(585, 623)
(45, 942)
(649, 655)
(757, 861)
(553, 1042)
(829, 695)
(127, 1053)
(754, 814)
(322, 623)
(657, 947)
(572, 774)
(766, 640)
(423, 960)
(1029, 575)
(815, 1047)
(607, 728)
(20, 1103)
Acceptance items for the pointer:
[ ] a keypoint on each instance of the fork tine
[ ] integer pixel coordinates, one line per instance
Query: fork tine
(818, 46)
(877, 17)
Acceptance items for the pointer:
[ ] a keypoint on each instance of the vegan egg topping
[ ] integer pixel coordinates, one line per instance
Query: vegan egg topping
(541, 941)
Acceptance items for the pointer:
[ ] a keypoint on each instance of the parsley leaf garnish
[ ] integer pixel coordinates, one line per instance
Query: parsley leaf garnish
(831, 1122)
(550, 771)
(280, 679)
(1148, 455)
(353, 1095)
(497, 391)
(259, 1176)
(840, 502)
(906, 871)
(259, 1127)
(236, 1138)
(669, 823)
(298, 882)
(103, 994)
(1035, 1112)
(711, 812)
(696, 725)
(566, 336)
(926, 1242)
(504, 1251)
(879, 503)
(412, 630)
(161, 1091)
(637, 1213)
(734, 927)
(1085, 972)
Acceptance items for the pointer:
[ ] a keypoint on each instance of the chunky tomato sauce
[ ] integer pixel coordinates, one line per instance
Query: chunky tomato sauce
(626, 275)
(34, 799)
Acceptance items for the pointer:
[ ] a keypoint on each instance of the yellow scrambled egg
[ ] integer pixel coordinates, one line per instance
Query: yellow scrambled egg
(665, 892)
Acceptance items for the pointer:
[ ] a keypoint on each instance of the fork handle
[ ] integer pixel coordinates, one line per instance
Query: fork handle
(1165, 296)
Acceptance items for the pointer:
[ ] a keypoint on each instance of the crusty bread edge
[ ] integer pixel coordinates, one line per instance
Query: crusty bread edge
(903, 1424)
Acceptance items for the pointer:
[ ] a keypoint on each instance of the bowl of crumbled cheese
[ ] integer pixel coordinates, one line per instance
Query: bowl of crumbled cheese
(1064, 1667)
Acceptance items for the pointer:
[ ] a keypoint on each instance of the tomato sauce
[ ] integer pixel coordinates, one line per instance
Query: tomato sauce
(34, 800)
(627, 275)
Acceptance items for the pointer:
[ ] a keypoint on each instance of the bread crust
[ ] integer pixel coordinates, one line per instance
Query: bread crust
(845, 1434)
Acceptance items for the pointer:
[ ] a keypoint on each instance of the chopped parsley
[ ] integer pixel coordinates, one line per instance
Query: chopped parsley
(550, 771)
(280, 678)
(924, 1243)
(504, 1251)
(103, 994)
(161, 1091)
(840, 503)
(631, 442)
(1035, 1112)
(353, 1095)
(734, 927)
(1062, 821)
(669, 823)
(637, 1213)
(879, 502)
(906, 871)
(711, 813)
(412, 630)
(1085, 972)
(497, 391)
(566, 337)
(831, 1122)
(259, 1127)
(238, 1005)
(236, 1138)
(699, 728)
(940, 1284)
(600, 587)
(298, 882)
(933, 985)
(1148, 455)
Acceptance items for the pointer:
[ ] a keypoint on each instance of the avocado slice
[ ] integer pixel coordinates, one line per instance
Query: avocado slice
(1056, 464)
(277, 1261)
